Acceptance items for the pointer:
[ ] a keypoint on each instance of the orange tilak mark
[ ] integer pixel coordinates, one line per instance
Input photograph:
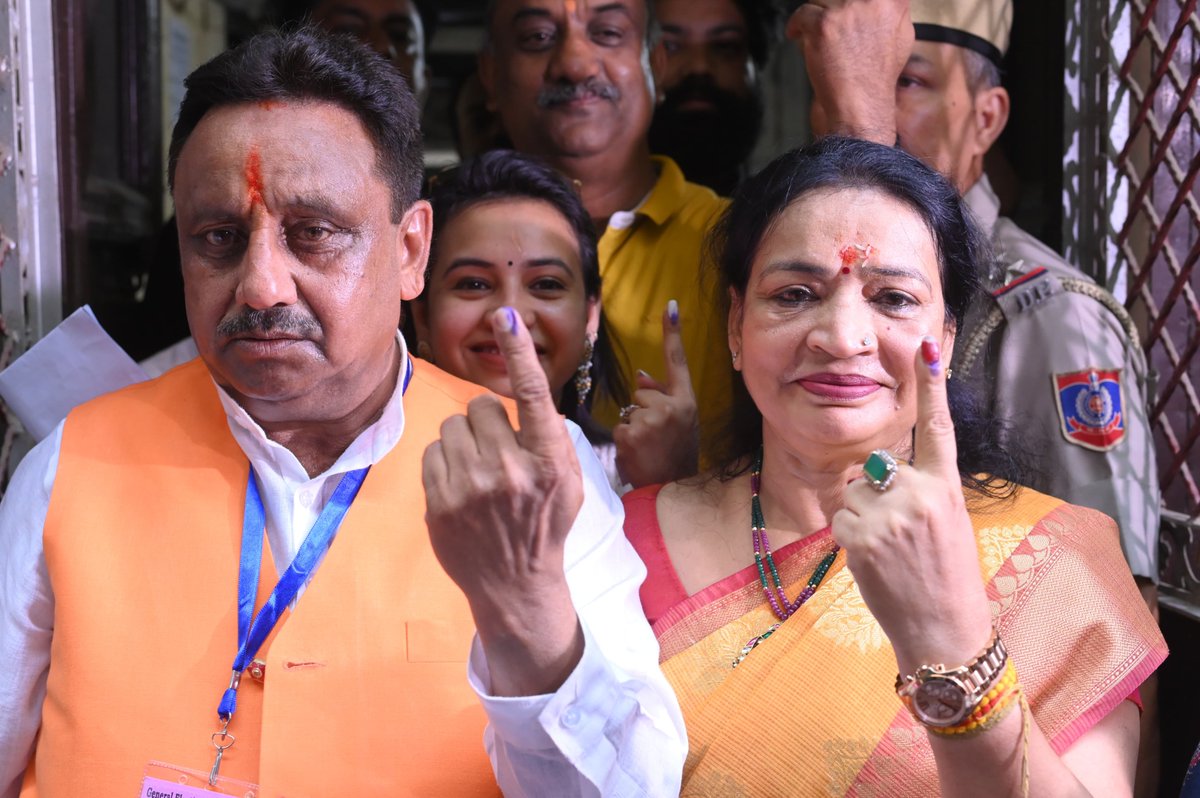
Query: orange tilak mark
(254, 182)
(855, 254)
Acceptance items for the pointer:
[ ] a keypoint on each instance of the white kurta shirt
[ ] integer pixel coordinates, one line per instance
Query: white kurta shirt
(613, 727)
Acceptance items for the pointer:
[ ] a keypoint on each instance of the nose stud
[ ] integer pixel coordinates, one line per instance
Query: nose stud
(866, 341)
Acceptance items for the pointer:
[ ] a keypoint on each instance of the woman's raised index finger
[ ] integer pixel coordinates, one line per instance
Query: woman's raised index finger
(679, 379)
(541, 426)
(934, 444)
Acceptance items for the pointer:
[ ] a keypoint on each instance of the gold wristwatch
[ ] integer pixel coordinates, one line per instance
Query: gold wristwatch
(941, 698)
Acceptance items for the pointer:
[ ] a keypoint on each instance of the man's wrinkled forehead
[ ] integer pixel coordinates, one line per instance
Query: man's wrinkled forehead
(503, 14)
(244, 154)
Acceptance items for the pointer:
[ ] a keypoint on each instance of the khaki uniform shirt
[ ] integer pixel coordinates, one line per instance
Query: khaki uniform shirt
(1059, 360)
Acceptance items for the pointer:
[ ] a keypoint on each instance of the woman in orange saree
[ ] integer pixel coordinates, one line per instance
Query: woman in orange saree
(850, 268)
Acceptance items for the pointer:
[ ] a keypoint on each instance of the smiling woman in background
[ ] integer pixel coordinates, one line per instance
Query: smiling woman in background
(510, 231)
(856, 648)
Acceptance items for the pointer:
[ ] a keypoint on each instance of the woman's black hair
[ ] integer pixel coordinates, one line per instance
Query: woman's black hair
(962, 250)
(504, 174)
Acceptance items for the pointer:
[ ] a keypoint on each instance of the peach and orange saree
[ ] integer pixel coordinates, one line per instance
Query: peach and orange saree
(811, 709)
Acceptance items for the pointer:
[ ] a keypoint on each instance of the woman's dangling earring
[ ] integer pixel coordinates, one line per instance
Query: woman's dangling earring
(583, 374)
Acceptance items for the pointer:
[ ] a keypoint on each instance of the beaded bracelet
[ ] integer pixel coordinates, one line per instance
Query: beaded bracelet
(992, 708)
(1003, 685)
(974, 727)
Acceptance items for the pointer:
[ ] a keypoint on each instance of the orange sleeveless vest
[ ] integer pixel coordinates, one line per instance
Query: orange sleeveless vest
(365, 690)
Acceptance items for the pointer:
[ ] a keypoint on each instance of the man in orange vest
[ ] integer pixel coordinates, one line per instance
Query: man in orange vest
(304, 563)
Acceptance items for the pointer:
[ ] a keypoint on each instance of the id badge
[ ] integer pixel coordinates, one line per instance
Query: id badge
(171, 781)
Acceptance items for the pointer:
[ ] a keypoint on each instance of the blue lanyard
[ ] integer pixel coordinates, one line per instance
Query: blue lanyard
(252, 633)
(253, 630)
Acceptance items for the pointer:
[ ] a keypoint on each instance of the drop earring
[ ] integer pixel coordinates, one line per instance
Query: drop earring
(583, 374)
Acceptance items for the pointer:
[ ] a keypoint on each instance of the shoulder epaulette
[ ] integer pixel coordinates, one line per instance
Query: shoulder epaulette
(1107, 300)
(1028, 277)
(1029, 290)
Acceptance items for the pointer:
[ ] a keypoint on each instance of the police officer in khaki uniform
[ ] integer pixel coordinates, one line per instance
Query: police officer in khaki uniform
(1056, 355)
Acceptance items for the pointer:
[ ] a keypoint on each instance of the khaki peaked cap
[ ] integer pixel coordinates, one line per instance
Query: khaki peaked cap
(979, 25)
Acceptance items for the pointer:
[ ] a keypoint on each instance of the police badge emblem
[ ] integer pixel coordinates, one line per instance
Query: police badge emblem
(1090, 407)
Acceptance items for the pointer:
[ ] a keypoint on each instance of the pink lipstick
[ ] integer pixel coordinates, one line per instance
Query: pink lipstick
(838, 387)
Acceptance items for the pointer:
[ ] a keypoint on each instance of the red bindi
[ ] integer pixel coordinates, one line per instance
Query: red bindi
(845, 270)
(254, 181)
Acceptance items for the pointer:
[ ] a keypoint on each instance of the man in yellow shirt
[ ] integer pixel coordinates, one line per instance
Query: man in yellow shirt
(571, 81)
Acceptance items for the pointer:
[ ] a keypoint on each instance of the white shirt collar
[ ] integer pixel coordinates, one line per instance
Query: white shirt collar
(367, 449)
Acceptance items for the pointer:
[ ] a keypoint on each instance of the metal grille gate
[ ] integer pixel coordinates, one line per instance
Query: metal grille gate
(1133, 156)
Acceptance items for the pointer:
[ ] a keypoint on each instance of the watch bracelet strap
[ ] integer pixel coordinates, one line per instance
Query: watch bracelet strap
(979, 675)
(993, 706)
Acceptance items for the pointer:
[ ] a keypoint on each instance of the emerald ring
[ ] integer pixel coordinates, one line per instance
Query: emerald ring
(880, 469)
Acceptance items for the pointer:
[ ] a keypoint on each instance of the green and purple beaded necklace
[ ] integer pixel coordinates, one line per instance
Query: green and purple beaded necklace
(762, 551)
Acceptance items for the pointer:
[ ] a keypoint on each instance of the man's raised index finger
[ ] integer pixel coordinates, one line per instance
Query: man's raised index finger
(541, 427)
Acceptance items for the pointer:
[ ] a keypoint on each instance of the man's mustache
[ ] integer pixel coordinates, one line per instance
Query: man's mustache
(271, 320)
(562, 93)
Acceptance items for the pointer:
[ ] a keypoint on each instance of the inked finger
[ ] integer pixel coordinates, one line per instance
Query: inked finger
(679, 379)
(933, 441)
(541, 427)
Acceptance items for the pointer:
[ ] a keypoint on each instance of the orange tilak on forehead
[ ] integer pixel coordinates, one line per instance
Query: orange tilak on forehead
(254, 181)
(855, 255)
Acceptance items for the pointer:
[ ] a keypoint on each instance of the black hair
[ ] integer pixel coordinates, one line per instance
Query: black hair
(962, 251)
(295, 11)
(507, 175)
(306, 64)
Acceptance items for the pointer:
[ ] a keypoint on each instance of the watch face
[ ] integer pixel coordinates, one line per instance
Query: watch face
(940, 702)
